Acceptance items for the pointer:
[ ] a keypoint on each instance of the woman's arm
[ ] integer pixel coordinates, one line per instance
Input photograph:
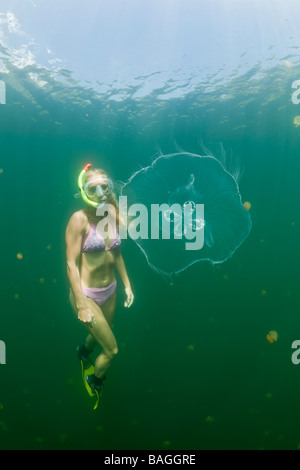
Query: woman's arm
(74, 232)
(122, 271)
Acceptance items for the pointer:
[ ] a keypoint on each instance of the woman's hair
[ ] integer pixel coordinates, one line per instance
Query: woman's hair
(112, 199)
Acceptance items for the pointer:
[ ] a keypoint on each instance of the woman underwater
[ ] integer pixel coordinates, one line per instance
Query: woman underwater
(92, 259)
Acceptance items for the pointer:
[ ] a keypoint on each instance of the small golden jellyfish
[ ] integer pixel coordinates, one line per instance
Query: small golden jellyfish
(288, 64)
(19, 256)
(225, 277)
(1, 406)
(272, 336)
(54, 281)
(247, 205)
(190, 347)
(269, 339)
(210, 419)
(42, 280)
(1, 171)
(263, 292)
(166, 444)
(297, 121)
(16, 296)
(3, 426)
(49, 247)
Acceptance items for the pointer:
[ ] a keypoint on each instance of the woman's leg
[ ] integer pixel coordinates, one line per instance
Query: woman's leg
(108, 310)
(90, 343)
(100, 330)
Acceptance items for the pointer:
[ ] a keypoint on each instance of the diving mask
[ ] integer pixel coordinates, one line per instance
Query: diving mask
(95, 188)
(98, 186)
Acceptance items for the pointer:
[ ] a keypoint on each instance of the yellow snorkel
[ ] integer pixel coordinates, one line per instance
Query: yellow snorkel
(82, 191)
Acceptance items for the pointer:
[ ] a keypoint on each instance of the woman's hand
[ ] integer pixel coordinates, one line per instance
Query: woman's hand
(85, 315)
(130, 297)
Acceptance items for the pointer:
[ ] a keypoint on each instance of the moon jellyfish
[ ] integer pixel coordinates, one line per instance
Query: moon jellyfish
(180, 184)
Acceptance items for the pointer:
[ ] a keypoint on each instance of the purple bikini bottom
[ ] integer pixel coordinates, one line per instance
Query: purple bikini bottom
(100, 294)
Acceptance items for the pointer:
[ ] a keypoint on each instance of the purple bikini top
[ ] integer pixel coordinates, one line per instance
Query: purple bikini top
(95, 243)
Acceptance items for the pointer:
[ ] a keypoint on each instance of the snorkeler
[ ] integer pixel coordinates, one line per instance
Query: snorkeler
(91, 261)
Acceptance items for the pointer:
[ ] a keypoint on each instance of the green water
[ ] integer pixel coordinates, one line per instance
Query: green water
(194, 369)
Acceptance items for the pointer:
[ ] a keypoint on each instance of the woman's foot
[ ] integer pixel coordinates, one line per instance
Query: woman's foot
(96, 384)
(96, 387)
(87, 367)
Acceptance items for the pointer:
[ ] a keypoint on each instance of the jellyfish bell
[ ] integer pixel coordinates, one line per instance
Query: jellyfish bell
(197, 201)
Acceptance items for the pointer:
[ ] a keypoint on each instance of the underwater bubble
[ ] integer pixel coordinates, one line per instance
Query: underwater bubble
(184, 181)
